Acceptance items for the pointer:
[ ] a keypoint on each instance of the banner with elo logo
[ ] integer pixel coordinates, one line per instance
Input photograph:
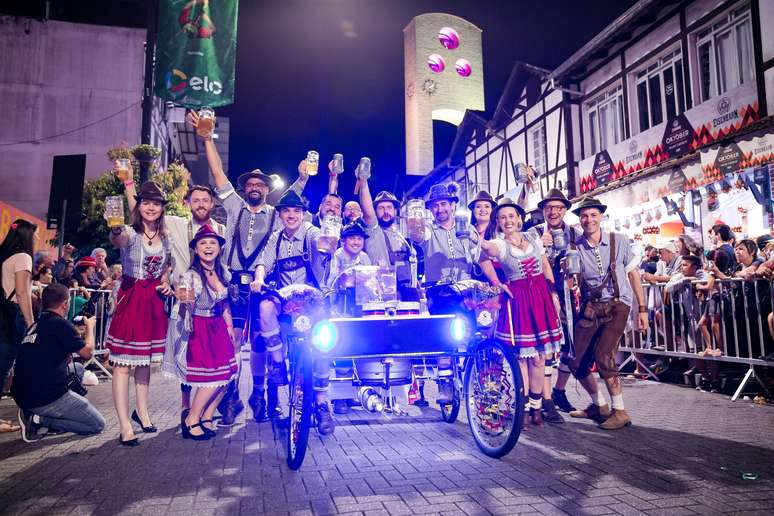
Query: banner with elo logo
(196, 52)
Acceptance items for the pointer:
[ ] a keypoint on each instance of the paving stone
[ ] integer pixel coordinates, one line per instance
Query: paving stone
(685, 461)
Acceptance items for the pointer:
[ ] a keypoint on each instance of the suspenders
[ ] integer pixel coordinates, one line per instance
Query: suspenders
(593, 294)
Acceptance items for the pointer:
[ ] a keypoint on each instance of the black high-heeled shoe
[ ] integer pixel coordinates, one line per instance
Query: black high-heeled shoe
(128, 442)
(186, 432)
(150, 429)
(209, 431)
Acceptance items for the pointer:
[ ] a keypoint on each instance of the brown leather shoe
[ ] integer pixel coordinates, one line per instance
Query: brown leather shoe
(617, 420)
(594, 412)
(535, 417)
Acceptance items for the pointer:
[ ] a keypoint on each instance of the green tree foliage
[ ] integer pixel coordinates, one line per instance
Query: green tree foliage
(93, 231)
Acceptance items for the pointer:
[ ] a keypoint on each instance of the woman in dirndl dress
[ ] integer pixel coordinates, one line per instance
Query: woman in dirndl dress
(529, 320)
(200, 351)
(137, 329)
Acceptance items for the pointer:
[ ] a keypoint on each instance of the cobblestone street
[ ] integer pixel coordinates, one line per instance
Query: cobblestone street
(685, 454)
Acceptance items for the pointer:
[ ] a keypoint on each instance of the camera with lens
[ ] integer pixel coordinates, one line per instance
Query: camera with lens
(74, 382)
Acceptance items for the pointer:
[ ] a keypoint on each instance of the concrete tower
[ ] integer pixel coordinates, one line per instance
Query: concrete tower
(444, 76)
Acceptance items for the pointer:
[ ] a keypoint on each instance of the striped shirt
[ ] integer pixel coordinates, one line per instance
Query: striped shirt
(448, 258)
(280, 247)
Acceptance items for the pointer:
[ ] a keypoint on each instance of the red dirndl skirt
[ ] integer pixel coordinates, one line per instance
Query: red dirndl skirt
(536, 326)
(138, 327)
(210, 358)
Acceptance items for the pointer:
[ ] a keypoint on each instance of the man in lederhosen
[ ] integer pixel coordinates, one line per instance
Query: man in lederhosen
(250, 223)
(385, 245)
(554, 207)
(609, 282)
(450, 253)
(291, 257)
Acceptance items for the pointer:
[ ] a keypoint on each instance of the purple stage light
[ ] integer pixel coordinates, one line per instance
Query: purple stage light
(449, 38)
(436, 63)
(463, 67)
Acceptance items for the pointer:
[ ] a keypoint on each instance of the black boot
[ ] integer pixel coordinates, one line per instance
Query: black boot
(277, 374)
(257, 403)
(550, 414)
(561, 401)
(273, 409)
(421, 402)
(230, 406)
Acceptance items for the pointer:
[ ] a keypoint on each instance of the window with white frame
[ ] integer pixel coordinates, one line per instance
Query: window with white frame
(660, 90)
(605, 120)
(724, 54)
(536, 138)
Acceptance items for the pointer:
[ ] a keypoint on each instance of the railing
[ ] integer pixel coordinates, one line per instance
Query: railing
(100, 301)
(727, 324)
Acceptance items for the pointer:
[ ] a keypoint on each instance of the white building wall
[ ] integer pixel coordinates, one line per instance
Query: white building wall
(696, 10)
(557, 151)
(767, 29)
(55, 79)
(657, 37)
(598, 78)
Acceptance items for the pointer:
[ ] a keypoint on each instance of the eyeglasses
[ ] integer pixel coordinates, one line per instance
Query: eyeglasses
(554, 208)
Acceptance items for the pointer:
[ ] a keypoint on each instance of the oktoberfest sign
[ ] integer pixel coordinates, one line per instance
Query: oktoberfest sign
(696, 128)
(196, 52)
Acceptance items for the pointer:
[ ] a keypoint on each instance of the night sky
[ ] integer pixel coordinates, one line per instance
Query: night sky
(301, 84)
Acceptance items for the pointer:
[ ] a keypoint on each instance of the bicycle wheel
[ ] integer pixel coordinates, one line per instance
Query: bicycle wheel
(493, 396)
(450, 411)
(300, 394)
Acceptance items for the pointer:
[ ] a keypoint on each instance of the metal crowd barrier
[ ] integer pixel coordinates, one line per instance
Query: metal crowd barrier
(740, 308)
(100, 300)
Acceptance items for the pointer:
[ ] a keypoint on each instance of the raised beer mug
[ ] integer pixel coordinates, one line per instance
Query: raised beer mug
(560, 243)
(330, 231)
(312, 162)
(124, 169)
(461, 219)
(206, 125)
(364, 168)
(573, 264)
(415, 213)
(338, 164)
(114, 211)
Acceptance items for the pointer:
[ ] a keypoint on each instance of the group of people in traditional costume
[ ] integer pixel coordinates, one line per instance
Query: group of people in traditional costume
(213, 270)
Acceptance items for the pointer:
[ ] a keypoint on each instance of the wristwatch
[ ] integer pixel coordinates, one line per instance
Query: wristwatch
(642, 309)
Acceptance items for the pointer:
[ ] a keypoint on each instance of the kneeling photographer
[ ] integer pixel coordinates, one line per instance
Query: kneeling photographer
(44, 391)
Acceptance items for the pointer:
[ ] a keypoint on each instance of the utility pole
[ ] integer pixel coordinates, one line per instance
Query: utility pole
(147, 89)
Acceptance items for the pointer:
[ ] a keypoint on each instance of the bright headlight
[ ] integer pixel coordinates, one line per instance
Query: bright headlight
(459, 329)
(324, 336)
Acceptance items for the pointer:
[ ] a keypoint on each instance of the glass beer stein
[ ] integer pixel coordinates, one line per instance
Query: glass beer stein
(312, 162)
(206, 125)
(114, 211)
(330, 230)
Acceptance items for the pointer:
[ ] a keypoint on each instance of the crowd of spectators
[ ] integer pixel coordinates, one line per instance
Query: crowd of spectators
(698, 305)
(36, 288)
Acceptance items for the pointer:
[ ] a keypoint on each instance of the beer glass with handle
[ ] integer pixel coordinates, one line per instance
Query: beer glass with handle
(114, 211)
(206, 125)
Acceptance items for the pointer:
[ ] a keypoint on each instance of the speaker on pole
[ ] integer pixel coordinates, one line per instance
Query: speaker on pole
(66, 191)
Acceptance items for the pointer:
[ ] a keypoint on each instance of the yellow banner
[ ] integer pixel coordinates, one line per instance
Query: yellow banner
(9, 213)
